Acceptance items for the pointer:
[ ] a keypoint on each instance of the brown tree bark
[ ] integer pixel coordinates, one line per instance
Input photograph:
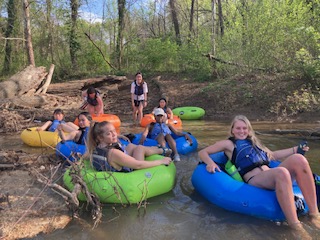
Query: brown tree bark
(74, 45)
(175, 21)
(12, 11)
(27, 28)
(121, 26)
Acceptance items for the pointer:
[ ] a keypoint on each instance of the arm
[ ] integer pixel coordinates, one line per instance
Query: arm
(124, 138)
(84, 94)
(120, 159)
(178, 133)
(132, 94)
(44, 126)
(284, 153)
(145, 99)
(100, 104)
(144, 135)
(145, 92)
(169, 113)
(220, 146)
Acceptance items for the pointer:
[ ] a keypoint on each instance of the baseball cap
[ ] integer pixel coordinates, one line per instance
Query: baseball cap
(159, 111)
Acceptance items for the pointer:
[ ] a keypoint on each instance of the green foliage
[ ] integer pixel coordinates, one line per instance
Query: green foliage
(155, 55)
(275, 35)
(302, 100)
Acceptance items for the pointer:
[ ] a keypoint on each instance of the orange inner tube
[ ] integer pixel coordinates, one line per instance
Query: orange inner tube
(149, 118)
(114, 119)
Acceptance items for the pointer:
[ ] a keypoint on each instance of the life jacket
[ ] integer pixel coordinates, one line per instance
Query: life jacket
(138, 90)
(54, 125)
(93, 101)
(100, 161)
(157, 128)
(246, 157)
(83, 137)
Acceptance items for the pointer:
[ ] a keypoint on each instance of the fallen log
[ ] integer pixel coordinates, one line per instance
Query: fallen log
(299, 132)
(22, 82)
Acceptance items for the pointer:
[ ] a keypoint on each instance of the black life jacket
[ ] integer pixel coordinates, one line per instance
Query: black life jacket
(93, 101)
(100, 160)
(138, 90)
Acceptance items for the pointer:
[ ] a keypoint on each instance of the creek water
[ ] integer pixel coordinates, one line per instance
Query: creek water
(183, 213)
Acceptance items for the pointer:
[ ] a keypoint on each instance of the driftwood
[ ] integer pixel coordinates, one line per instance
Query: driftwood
(71, 198)
(213, 58)
(44, 87)
(22, 82)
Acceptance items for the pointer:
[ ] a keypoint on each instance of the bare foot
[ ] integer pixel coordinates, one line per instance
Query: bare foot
(315, 219)
(299, 231)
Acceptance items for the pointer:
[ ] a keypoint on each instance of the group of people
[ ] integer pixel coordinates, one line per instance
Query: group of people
(107, 154)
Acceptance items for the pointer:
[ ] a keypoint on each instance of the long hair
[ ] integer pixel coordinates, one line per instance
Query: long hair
(86, 114)
(93, 135)
(251, 134)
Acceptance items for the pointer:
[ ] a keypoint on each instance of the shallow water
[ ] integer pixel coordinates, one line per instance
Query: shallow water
(182, 213)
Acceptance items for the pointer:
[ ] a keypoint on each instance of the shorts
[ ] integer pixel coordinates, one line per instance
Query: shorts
(137, 102)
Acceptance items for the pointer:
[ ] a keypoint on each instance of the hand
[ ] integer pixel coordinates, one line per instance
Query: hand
(212, 168)
(303, 147)
(166, 161)
(59, 127)
(189, 139)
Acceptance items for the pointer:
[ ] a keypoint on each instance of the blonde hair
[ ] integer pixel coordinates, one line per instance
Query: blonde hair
(93, 135)
(251, 134)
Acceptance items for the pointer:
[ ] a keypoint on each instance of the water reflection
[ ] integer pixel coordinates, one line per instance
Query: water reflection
(184, 214)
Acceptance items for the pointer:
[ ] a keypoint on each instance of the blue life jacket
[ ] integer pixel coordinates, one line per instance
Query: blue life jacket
(246, 157)
(100, 160)
(54, 125)
(158, 128)
(138, 90)
(83, 137)
(93, 101)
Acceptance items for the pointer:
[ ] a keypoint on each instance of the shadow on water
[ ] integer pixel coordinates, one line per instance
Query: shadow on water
(183, 213)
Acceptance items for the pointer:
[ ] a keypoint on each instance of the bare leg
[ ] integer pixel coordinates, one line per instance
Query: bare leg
(140, 112)
(134, 113)
(139, 152)
(300, 169)
(172, 143)
(279, 179)
(161, 140)
(69, 127)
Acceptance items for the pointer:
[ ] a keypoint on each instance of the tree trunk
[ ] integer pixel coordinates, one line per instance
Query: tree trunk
(50, 29)
(27, 28)
(121, 26)
(220, 14)
(191, 19)
(12, 12)
(213, 33)
(175, 21)
(74, 45)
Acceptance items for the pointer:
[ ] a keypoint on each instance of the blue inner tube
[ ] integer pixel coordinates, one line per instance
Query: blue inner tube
(222, 190)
